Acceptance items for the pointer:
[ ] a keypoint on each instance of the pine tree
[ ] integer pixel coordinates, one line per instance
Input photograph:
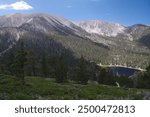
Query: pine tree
(31, 63)
(82, 73)
(102, 75)
(52, 60)
(9, 64)
(61, 70)
(2, 69)
(19, 64)
(144, 79)
(106, 77)
(44, 69)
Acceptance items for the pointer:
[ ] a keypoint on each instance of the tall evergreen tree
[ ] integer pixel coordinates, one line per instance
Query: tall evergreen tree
(19, 63)
(44, 69)
(61, 70)
(144, 79)
(10, 63)
(2, 69)
(102, 75)
(31, 64)
(82, 72)
(52, 61)
(106, 77)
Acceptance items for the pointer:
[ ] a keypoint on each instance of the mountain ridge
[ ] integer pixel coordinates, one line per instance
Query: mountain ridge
(122, 46)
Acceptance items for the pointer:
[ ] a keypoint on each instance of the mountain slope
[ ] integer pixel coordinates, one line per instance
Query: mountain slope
(96, 41)
(102, 28)
(40, 22)
(48, 34)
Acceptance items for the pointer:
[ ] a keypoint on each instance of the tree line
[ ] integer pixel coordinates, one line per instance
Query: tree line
(25, 63)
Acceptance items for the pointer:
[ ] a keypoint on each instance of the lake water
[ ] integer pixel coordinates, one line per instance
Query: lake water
(123, 71)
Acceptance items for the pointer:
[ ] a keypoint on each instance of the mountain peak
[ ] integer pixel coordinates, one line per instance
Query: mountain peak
(102, 28)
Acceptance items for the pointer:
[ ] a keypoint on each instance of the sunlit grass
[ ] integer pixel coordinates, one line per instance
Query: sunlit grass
(41, 88)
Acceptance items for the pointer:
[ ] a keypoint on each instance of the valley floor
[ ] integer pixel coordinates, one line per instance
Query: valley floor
(37, 88)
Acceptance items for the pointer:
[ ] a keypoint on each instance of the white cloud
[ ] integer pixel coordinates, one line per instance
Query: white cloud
(21, 5)
(3, 6)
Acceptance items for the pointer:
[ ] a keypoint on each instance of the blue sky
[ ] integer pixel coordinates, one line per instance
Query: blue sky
(126, 12)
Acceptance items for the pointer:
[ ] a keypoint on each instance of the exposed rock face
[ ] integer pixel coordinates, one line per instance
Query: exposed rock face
(102, 28)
